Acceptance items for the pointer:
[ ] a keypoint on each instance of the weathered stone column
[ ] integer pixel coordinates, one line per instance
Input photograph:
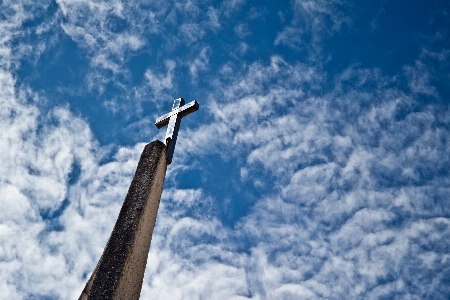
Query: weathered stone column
(120, 270)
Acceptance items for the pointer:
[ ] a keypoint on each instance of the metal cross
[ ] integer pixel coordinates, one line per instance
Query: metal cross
(173, 120)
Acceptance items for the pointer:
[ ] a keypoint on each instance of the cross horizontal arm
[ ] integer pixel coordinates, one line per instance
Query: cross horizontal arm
(182, 111)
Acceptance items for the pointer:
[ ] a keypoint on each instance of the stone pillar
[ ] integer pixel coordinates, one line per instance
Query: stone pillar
(120, 270)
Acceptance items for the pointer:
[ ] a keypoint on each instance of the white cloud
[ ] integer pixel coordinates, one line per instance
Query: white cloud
(158, 82)
(213, 15)
(242, 30)
(231, 6)
(34, 172)
(190, 33)
(92, 26)
(251, 101)
(419, 80)
(357, 171)
(53, 231)
(200, 63)
(312, 21)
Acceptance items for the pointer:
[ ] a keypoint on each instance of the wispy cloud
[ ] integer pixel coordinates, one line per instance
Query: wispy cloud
(312, 21)
(352, 169)
(200, 63)
(157, 82)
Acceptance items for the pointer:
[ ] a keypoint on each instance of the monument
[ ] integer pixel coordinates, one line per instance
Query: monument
(120, 270)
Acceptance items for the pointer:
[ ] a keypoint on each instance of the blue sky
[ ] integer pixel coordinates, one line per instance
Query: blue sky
(317, 166)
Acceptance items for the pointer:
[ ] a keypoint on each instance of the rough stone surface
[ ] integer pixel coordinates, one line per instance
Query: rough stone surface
(121, 268)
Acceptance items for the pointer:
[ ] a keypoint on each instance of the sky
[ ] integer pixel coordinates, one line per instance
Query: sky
(317, 166)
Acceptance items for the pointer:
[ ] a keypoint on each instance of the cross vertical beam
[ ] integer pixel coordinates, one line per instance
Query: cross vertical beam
(173, 120)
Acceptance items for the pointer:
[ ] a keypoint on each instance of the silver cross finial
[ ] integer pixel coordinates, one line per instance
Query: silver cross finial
(173, 120)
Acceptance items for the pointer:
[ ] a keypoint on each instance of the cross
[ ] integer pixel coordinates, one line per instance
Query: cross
(173, 120)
